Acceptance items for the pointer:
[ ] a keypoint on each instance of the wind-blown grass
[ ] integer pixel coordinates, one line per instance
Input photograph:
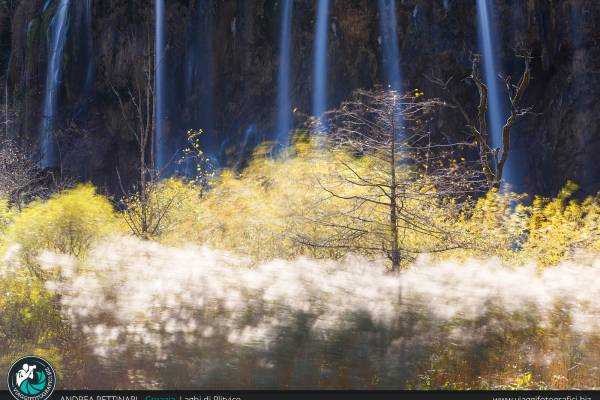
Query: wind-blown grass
(158, 316)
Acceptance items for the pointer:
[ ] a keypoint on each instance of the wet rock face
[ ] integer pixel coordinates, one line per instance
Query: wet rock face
(4, 34)
(562, 139)
(222, 60)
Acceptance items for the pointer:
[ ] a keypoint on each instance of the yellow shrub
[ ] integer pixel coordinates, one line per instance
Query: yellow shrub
(547, 231)
(493, 226)
(32, 322)
(30, 319)
(67, 223)
(163, 211)
(561, 226)
(281, 208)
(259, 211)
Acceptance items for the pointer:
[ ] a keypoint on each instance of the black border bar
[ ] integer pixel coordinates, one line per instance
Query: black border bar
(316, 395)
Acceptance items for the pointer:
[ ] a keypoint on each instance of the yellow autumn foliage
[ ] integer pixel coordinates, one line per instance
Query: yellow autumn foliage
(166, 207)
(281, 208)
(68, 223)
(259, 211)
(562, 228)
(286, 207)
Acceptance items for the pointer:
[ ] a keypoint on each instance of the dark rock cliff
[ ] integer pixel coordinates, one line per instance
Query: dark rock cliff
(222, 73)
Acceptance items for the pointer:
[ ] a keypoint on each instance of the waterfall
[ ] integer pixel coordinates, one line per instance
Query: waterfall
(319, 100)
(198, 80)
(389, 42)
(57, 33)
(488, 47)
(159, 86)
(283, 80)
(391, 51)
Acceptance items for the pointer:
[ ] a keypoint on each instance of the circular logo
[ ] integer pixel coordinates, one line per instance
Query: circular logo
(31, 378)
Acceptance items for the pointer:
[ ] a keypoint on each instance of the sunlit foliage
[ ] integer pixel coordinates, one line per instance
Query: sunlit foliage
(465, 328)
(561, 227)
(162, 208)
(281, 208)
(30, 319)
(262, 208)
(68, 223)
(541, 230)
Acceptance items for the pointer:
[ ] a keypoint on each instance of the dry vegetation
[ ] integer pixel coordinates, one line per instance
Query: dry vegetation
(284, 270)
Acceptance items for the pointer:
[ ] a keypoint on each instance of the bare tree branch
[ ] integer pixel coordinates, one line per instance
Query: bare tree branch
(493, 160)
(390, 177)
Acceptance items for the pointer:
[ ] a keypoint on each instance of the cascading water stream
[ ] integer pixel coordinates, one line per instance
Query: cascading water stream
(388, 26)
(389, 43)
(198, 89)
(283, 80)
(159, 86)
(57, 33)
(319, 100)
(487, 45)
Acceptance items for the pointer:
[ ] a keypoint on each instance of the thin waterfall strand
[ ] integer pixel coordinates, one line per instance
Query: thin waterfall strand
(391, 53)
(283, 93)
(159, 89)
(57, 34)
(389, 41)
(319, 100)
(487, 45)
(199, 80)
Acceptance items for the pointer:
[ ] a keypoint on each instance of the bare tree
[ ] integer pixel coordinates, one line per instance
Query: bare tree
(153, 211)
(18, 174)
(20, 177)
(136, 104)
(493, 160)
(391, 177)
(150, 206)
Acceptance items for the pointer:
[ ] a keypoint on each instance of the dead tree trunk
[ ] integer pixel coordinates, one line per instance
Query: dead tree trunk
(493, 160)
